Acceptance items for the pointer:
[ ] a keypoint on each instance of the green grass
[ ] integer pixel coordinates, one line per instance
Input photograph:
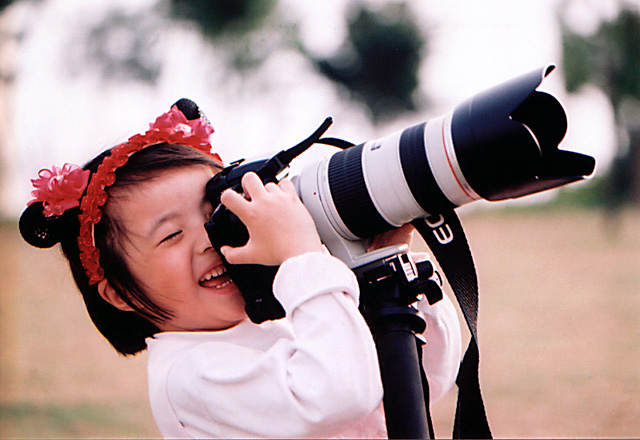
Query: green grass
(56, 420)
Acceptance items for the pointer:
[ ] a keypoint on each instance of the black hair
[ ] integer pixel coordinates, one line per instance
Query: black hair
(125, 330)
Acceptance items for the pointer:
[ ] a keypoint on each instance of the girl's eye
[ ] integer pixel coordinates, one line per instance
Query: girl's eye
(171, 237)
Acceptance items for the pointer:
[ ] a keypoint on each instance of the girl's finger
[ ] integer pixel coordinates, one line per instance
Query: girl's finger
(234, 201)
(239, 255)
(252, 185)
(270, 187)
(287, 186)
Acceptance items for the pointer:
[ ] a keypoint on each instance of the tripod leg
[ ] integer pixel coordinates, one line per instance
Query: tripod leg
(404, 400)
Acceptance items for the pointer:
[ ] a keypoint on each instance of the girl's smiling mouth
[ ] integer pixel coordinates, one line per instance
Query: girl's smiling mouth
(216, 278)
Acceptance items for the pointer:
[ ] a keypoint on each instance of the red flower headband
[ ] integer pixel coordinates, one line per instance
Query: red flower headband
(61, 189)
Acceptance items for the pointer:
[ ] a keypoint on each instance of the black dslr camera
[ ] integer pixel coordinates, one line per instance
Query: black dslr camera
(500, 144)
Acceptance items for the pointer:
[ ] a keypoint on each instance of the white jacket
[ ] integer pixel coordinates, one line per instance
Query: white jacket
(312, 374)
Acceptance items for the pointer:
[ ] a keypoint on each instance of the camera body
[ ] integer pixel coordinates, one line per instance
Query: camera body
(500, 144)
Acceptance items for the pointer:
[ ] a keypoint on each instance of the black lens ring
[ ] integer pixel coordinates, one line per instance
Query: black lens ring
(350, 194)
(417, 172)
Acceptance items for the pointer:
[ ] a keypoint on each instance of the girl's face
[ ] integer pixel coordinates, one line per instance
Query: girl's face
(168, 251)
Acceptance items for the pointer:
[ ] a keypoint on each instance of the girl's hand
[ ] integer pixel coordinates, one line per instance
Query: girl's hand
(279, 225)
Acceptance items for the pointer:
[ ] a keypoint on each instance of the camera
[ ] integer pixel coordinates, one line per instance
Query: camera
(499, 144)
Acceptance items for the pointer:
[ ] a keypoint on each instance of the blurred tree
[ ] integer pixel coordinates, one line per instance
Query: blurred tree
(121, 46)
(6, 75)
(4, 4)
(610, 60)
(219, 17)
(241, 29)
(379, 62)
(12, 32)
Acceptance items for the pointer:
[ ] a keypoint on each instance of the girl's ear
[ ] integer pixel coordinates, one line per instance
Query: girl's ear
(110, 295)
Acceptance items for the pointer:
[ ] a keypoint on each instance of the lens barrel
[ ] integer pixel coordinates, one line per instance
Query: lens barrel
(350, 194)
(500, 144)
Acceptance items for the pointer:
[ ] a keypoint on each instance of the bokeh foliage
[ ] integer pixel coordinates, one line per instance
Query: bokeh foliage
(219, 17)
(610, 60)
(380, 60)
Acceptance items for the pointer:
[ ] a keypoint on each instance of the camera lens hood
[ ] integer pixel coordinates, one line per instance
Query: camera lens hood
(506, 140)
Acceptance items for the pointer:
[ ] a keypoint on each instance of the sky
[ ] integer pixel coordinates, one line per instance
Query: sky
(63, 114)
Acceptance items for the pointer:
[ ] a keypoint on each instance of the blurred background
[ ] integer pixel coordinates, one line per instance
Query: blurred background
(559, 272)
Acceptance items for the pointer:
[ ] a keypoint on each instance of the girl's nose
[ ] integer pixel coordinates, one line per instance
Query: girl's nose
(204, 244)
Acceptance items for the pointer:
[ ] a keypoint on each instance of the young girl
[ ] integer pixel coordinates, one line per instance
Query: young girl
(131, 225)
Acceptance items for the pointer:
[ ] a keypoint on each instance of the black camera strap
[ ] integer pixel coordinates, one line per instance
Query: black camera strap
(445, 236)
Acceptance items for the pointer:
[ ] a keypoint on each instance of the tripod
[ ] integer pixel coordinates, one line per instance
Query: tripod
(389, 285)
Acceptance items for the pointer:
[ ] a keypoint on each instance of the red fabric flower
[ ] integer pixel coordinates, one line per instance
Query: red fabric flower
(173, 126)
(59, 189)
(175, 121)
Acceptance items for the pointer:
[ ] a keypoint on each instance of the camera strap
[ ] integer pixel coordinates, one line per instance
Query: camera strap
(444, 235)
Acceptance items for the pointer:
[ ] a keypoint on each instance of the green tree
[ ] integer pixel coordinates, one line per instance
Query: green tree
(238, 28)
(132, 58)
(610, 60)
(380, 60)
(378, 63)
(219, 17)
(4, 4)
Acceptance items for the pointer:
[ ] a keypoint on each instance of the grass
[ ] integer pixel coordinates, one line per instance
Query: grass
(91, 420)
(558, 326)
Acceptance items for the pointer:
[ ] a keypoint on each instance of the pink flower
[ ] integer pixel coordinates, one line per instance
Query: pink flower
(59, 189)
(175, 121)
